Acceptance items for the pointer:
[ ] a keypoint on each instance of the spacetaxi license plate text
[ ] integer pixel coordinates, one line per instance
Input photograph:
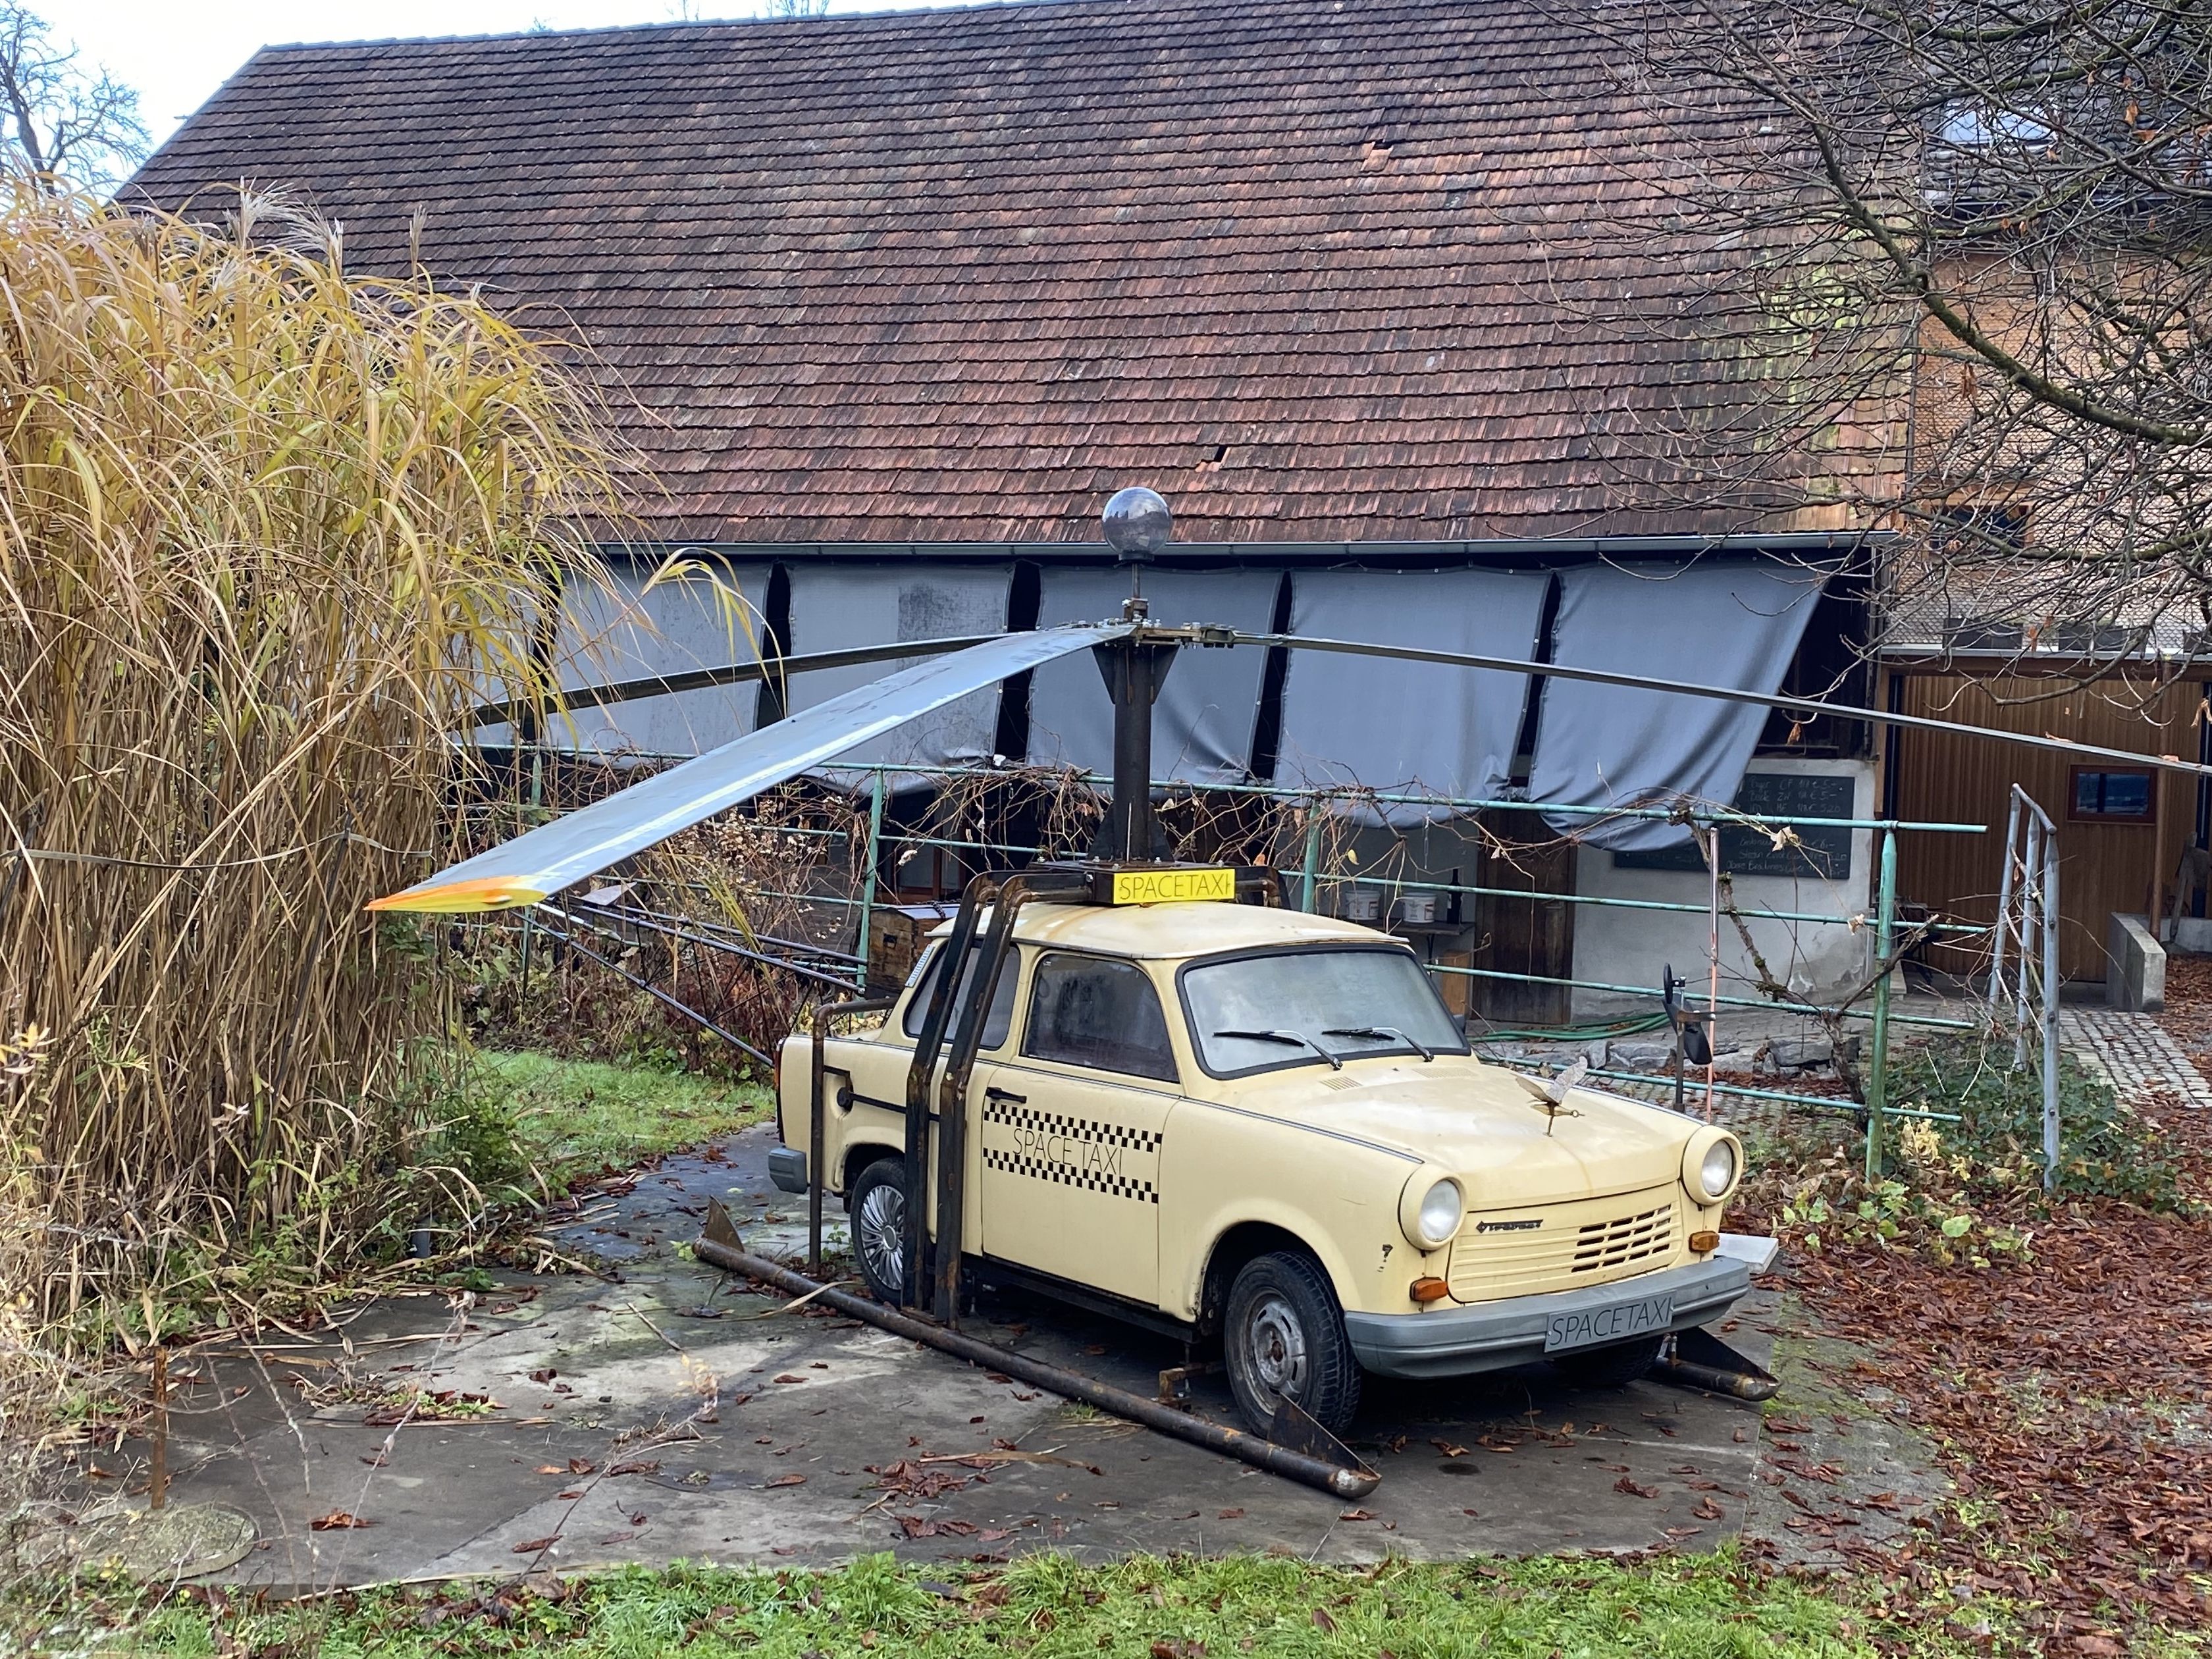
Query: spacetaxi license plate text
(1622, 1323)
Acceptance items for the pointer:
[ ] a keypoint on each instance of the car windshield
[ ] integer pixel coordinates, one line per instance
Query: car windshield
(1313, 1007)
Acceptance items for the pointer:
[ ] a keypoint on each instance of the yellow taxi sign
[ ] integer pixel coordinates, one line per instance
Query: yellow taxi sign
(1173, 886)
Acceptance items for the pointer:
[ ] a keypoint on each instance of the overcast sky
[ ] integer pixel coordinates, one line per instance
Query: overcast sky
(177, 52)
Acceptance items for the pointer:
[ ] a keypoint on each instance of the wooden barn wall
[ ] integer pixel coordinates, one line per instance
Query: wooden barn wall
(2103, 867)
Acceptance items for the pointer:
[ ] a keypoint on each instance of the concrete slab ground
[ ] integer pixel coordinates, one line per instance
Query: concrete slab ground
(666, 1410)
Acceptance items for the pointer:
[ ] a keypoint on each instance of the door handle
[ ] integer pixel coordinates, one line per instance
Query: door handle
(1006, 1094)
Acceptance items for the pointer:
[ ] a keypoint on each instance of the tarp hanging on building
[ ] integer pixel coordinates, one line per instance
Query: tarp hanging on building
(1404, 727)
(1202, 725)
(834, 607)
(706, 619)
(1735, 625)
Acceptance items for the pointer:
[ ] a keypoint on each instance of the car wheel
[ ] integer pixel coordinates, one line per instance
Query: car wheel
(1283, 1335)
(877, 1207)
(1610, 1367)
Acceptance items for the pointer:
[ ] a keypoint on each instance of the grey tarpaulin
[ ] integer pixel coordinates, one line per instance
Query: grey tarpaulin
(703, 613)
(1735, 625)
(1202, 726)
(836, 606)
(1404, 727)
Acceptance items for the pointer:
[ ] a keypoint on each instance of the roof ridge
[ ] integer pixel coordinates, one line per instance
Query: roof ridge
(960, 9)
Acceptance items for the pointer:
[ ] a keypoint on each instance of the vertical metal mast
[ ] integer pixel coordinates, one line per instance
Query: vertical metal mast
(1137, 525)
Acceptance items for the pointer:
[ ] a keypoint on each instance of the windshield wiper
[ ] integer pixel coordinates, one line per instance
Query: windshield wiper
(1290, 1038)
(1379, 1031)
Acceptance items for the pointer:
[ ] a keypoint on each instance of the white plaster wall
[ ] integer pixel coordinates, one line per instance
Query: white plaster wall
(1816, 960)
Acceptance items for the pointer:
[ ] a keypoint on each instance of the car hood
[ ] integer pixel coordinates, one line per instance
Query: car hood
(1475, 1122)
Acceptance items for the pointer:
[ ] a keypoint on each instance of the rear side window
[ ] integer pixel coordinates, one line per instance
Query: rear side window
(1095, 1011)
(996, 1023)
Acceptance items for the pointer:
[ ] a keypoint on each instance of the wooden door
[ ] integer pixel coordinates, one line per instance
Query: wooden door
(1533, 936)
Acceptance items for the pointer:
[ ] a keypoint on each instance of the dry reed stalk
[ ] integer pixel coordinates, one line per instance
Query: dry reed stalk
(267, 531)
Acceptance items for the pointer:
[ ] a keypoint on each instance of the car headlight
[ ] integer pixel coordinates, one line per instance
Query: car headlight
(1711, 1164)
(1443, 1207)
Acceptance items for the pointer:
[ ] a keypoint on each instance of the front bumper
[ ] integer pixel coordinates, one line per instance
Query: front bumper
(1489, 1336)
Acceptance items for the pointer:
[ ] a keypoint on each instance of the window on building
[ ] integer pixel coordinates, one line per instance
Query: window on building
(1099, 1013)
(921, 875)
(2115, 797)
(1972, 529)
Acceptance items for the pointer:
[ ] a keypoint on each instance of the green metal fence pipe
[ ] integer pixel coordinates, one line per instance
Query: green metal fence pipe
(1825, 1101)
(1734, 1002)
(1631, 904)
(1711, 815)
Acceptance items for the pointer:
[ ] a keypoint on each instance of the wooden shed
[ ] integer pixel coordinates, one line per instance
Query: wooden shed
(2122, 829)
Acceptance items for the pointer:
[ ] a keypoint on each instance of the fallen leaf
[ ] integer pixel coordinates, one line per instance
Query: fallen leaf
(552, 1468)
(1322, 1622)
(1630, 1487)
(614, 1469)
(1707, 1509)
(537, 1546)
(1357, 1515)
(1231, 1515)
(1448, 1449)
(569, 1497)
(337, 1521)
(543, 1374)
(581, 1466)
(788, 1480)
(375, 1462)
(788, 1377)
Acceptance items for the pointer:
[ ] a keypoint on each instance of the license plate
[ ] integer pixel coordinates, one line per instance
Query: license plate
(1621, 1323)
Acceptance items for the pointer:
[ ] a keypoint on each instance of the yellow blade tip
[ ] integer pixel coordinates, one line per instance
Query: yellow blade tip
(484, 893)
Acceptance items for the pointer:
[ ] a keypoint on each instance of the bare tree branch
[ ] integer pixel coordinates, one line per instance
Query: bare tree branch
(65, 126)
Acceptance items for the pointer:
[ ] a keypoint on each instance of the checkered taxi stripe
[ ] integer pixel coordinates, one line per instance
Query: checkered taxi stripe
(1074, 1151)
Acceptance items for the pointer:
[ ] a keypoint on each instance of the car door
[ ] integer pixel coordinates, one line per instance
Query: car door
(1070, 1129)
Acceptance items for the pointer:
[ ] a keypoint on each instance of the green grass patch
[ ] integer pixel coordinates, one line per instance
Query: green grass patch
(583, 1113)
(520, 1126)
(1049, 1607)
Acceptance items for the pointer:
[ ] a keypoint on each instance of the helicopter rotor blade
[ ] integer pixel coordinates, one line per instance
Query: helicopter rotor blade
(541, 862)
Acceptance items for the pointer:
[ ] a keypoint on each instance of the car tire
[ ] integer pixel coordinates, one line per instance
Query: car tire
(1613, 1366)
(1282, 1332)
(876, 1210)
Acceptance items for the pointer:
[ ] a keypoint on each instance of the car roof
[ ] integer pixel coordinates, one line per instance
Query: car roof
(1172, 932)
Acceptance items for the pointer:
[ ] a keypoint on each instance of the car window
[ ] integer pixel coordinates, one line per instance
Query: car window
(1304, 1006)
(996, 1023)
(1095, 1011)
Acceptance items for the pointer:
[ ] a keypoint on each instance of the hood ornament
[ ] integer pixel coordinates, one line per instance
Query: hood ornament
(1551, 1093)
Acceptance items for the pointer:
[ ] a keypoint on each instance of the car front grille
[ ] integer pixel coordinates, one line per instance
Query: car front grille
(1499, 1253)
(1602, 1244)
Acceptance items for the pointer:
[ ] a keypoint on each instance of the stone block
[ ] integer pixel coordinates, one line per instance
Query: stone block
(1792, 1055)
(2135, 965)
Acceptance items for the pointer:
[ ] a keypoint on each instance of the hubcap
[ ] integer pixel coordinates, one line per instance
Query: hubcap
(880, 1231)
(1275, 1343)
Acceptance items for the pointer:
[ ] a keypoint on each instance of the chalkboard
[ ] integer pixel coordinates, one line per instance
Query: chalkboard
(1825, 855)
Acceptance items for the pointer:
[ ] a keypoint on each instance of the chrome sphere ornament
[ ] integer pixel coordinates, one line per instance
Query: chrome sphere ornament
(1138, 524)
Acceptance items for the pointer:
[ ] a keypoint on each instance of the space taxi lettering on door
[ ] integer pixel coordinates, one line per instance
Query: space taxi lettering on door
(1073, 1151)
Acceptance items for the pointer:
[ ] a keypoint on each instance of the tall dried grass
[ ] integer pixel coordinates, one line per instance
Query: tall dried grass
(267, 531)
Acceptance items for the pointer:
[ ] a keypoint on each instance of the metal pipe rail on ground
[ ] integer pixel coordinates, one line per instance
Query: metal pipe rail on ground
(719, 1247)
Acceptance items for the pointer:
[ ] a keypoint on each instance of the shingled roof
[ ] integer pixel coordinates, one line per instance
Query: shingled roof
(1318, 270)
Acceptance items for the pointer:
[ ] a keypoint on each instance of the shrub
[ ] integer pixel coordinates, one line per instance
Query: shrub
(268, 532)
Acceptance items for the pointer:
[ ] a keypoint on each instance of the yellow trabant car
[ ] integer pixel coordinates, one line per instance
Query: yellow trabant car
(1262, 1127)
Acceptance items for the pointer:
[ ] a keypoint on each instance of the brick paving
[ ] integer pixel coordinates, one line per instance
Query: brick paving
(2135, 1053)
